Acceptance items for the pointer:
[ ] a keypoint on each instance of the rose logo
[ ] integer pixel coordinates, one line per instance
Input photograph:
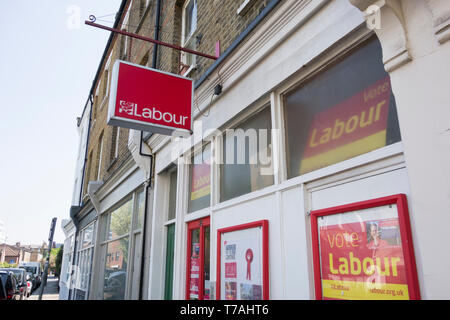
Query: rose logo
(126, 107)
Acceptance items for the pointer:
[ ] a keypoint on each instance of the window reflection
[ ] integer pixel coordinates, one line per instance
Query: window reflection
(116, 269)
(343, 112)
(120, 223)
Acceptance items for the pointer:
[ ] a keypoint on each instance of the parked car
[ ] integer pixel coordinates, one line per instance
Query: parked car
(8, 286)
(21, 276)
(35, 269)
(115, 286)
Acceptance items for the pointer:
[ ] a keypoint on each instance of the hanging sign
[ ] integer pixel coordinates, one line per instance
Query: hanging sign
(151, 100)
(364, 251)
(242, 266)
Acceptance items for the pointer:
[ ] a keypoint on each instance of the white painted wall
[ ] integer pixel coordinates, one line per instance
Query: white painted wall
(79, 166)
(278, 54)
(420, 86)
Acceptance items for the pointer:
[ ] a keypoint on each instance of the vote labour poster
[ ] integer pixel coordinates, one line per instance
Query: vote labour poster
(353, 127)
(361, 255)
(201, 181)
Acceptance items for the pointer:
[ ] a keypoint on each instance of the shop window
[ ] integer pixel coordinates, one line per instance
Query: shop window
(116, 271)
(117, 246)
(120, 220)
(247, 157)
(84, 262)
(88, 236)
(200, 180)
(345, 111)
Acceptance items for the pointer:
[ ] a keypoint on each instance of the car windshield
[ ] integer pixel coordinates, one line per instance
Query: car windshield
(18, 274)
(30, 269)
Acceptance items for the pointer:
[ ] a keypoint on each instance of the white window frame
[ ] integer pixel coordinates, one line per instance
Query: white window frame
(85, 259)
(186, 40)
(134, 230)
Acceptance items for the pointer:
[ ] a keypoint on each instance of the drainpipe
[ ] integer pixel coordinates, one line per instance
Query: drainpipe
(144, 227)
(148, 186)
(156, 35)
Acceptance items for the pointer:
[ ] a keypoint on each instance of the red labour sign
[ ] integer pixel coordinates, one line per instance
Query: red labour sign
(150, 100)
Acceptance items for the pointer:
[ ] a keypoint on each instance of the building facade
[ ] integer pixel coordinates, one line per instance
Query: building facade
(318, 120)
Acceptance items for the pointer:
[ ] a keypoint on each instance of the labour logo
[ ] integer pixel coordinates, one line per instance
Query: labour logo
(126, 107)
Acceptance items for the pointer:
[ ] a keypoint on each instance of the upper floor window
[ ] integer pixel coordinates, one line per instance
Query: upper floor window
(345, 111)
(189, 25)
(190, 18)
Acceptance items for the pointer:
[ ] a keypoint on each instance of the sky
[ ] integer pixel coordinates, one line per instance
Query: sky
(48, 60)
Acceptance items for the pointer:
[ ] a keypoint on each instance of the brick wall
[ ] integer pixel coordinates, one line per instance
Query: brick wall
(217, 20)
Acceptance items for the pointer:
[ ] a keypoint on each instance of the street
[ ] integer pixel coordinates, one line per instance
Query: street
(50, 291)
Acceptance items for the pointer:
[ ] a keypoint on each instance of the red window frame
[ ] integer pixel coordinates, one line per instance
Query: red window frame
(405, 233)
(265, 253)
(197, 224)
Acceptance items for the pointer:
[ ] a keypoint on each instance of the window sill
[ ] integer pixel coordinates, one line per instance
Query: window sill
(189, 70)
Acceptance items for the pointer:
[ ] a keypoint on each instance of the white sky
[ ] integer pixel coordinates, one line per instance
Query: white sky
(47, 65)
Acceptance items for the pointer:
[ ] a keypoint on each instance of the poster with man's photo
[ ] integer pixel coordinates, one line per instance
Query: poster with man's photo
(361, 255)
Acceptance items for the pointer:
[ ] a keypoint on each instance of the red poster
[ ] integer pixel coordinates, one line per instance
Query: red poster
(363, 260)
(195, 277)
(230, 270)
(350, 128)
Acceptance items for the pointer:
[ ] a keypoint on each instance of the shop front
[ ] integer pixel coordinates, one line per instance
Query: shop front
(236, 212)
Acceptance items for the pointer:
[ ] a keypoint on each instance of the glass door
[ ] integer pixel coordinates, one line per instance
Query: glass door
(198, 260)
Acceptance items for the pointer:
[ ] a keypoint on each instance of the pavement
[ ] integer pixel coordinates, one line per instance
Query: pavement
(50, 290)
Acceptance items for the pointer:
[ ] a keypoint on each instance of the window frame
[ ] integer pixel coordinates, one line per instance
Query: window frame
(131, 234)
(194, 151)
(82, 281)
(187, 40)
(250, 112)
(320, 65)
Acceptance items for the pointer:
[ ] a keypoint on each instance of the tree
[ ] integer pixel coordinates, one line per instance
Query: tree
(58, 261)
(52, 261)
